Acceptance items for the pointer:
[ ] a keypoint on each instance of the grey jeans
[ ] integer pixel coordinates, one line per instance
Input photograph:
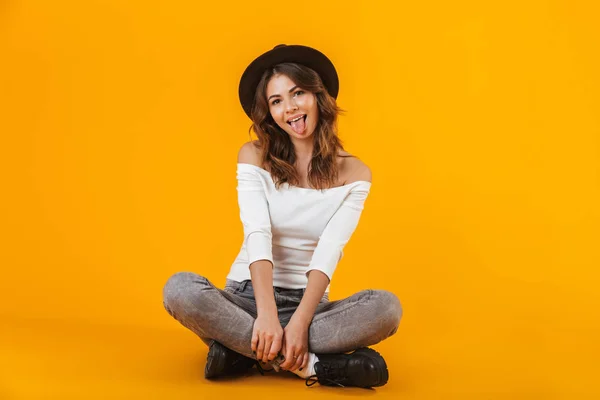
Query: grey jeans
(227, 315)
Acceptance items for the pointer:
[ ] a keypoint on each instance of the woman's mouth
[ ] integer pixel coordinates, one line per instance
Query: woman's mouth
(299, 126)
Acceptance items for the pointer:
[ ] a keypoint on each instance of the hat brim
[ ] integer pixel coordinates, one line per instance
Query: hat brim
(299, 54)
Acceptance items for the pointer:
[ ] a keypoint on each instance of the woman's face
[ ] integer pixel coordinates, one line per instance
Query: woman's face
(287, 102)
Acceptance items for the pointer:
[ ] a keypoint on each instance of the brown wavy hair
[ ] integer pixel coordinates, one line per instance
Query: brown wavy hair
(275, 145)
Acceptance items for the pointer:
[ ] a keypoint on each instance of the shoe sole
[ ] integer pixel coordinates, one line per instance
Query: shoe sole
(383, 374)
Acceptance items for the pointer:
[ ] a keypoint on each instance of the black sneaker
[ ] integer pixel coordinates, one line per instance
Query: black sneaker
(222, 361)
(363, 368)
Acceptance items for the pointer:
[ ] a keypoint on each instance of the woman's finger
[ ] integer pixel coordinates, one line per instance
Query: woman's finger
(289, 358)
(305, 361)
(283, 344)
(298, 361)
(275, 347)
(267, 348)
(254, 342)
(260, 348)
(283, 351)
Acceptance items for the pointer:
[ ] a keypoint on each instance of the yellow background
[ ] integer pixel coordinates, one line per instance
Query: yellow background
(120, 128)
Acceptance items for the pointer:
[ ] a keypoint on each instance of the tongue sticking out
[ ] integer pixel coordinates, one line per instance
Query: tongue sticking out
(298, 126)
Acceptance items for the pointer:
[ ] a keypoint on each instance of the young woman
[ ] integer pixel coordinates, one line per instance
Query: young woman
(300, 197)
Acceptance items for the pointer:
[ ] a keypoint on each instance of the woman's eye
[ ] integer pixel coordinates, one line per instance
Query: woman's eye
(298, 92)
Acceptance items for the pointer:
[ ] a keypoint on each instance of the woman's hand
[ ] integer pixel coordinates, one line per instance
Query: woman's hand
(267, 336)
(295, 344)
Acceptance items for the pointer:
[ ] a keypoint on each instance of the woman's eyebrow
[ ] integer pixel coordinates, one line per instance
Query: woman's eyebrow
(278, 95)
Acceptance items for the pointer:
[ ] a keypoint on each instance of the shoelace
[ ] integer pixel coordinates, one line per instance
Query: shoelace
(332, 373)
(311, 380)
(261, 369)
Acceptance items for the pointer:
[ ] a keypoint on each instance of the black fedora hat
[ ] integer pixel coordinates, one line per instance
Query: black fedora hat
(281, 53)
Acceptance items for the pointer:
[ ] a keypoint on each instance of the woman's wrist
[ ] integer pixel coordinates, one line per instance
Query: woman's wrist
(315, 288)
(303, 317)
(267, 309)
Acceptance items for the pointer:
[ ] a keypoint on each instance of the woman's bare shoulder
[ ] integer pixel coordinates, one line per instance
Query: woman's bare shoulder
(249, 153)
(356, 170)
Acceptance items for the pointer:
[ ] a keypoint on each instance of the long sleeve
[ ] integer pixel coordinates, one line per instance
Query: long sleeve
(338, 231)
(254, 214)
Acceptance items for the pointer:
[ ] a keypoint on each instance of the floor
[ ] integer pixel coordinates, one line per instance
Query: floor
(67, 359)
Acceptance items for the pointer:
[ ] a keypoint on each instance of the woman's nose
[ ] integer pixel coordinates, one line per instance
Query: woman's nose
(291, 106)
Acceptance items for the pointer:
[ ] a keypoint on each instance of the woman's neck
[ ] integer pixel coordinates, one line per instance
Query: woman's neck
(304, 150)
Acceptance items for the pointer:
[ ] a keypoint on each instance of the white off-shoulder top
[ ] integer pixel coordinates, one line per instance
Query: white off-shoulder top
(297, 229)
